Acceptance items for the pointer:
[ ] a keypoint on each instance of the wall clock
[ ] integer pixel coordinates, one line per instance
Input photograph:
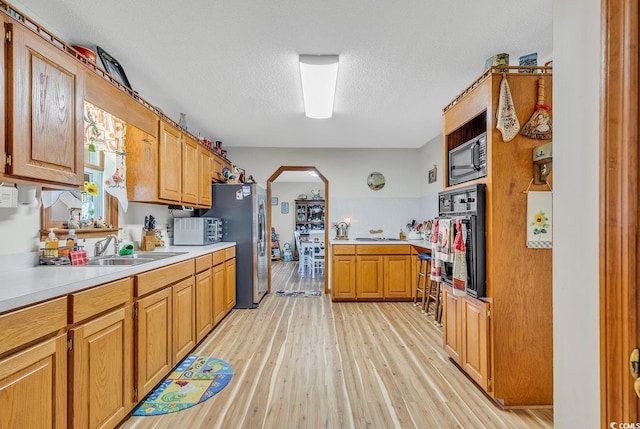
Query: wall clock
(375, 181)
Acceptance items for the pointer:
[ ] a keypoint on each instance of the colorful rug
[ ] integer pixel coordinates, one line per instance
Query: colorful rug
(195, 380)
(304, 293)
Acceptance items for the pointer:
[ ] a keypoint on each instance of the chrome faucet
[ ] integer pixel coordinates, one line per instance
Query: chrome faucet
(101, 246)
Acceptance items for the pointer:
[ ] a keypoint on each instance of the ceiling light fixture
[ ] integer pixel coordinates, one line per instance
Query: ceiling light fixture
(313, 173)
(319, 74)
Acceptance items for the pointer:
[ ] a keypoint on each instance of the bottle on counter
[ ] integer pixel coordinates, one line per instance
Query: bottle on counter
(403, 236)
(72, 240)
(51, 245)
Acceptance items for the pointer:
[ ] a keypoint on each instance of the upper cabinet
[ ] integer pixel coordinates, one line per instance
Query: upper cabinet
(174, 170)
(45, 95)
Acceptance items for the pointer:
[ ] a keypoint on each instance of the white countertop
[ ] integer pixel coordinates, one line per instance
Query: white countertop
(25, 286)
(419, 243)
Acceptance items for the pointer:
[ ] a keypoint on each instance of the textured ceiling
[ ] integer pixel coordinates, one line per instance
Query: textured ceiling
(231, 65)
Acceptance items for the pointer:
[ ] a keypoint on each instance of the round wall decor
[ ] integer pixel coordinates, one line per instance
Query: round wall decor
(375, 181)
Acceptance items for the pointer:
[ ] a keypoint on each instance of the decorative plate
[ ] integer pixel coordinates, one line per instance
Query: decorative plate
(375, 181)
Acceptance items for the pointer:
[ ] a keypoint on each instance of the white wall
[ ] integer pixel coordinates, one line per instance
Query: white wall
(576, 84)
(402, 199)
(430, 155)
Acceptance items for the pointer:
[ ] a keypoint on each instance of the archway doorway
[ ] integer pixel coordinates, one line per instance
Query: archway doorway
(310, 169)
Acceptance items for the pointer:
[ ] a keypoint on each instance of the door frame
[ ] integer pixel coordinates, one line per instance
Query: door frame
(271, 179)
(619, 213)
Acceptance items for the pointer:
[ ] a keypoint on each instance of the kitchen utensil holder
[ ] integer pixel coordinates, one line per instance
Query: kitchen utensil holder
(148, 240)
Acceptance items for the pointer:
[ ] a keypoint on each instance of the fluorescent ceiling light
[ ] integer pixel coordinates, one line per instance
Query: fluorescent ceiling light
(313, 173)
(319, 74)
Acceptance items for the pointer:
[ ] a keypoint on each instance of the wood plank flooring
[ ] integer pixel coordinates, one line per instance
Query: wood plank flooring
(306, 362)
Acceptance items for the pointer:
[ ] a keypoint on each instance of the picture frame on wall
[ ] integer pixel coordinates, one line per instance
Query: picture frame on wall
(433, 175)
(284, 208)
(274, 201)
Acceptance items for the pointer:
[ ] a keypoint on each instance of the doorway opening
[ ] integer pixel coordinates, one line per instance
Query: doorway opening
(284, 171)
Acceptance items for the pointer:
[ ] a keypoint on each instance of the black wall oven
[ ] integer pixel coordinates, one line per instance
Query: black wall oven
(469, 205)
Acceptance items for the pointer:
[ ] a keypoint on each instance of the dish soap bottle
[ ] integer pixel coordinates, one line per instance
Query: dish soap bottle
(403, 236)
(72, 240)
(51, 245)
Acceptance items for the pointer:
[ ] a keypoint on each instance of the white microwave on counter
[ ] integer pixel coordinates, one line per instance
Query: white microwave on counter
(196, 231)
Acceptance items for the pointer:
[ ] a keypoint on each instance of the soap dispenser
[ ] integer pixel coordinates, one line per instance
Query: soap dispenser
(72, 240)
(51, 245)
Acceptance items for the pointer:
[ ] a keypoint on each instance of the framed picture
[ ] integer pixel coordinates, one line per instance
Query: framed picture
(433, 175)
(284, 208)
(113, 67)
(274, 201)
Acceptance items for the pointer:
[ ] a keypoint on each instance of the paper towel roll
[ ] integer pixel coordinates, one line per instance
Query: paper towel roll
(29, 195)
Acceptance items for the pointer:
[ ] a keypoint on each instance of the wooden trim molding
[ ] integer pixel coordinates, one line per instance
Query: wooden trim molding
(619, 209)
(271, 179)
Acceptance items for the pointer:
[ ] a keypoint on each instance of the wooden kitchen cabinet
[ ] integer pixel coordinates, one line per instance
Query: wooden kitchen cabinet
(381, 272)
(101, 390)
(183, 322)
(230, 279)
(452, 317)
(33, 366)
(219, 292)
(45, 96)
(205, 160)
(218, 165)
(190, 171)
(369, 277)
(153, 340)
(170, 163)
(204, 297)
(514, 347)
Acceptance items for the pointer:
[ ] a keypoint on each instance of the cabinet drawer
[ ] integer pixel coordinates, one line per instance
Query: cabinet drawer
(203, 263)
(98, 299)
(229, 253)
(26, 325)
(384, 249)
(218, 257)
(157, 279)
(344, 249)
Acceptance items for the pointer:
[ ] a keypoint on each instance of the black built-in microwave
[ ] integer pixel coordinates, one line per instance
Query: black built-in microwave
(468, 161)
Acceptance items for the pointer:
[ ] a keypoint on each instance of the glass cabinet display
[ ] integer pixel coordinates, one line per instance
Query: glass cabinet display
(309, 215)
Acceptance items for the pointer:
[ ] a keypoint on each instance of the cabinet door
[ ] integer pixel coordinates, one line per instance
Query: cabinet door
(45, 99)
(397, 276)
(216, 169)
(343, 277)
(475, 341)
(219, 287)
(170, 163)
(184, 330)
(190, 171)
(204, 304)
(101, 366)
(230, 284)
(452, 317)
(153, 340)
(33, 386)
(204, 193)
(369, 277)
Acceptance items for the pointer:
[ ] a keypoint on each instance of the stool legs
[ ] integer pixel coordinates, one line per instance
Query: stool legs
(434, 295)
(421, 283)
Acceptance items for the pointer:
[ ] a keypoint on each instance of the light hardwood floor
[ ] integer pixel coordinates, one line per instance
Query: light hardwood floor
(306, 362)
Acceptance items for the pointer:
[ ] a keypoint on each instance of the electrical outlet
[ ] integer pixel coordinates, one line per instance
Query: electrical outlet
(8, 197)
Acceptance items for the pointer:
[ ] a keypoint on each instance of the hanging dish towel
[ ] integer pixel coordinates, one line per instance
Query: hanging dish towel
(445, 236)
(539, 220)
(436, 264)
(460, 260)
(507, 122)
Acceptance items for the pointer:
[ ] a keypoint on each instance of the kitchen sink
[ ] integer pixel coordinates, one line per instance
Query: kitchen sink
(137, 258)
(378, 239)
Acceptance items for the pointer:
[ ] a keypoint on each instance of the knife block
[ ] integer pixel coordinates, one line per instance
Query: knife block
(148, 241)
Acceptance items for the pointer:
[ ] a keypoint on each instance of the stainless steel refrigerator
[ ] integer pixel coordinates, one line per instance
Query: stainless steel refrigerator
(243, 210)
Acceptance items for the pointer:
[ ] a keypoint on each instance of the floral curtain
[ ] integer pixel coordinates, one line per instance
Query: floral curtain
(106, 133)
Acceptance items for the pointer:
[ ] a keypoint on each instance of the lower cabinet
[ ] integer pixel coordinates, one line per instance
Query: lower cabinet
(33, 369)
(219, 291)
(153, 340)
(204, 303)
(371, 272)
(466, 335)
(230, 284)
(183, 318)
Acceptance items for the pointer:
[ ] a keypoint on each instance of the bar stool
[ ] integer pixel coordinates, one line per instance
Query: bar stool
(424, 270)
(434, 295)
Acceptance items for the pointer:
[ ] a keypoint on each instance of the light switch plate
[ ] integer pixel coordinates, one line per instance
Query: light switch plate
(8, 197)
